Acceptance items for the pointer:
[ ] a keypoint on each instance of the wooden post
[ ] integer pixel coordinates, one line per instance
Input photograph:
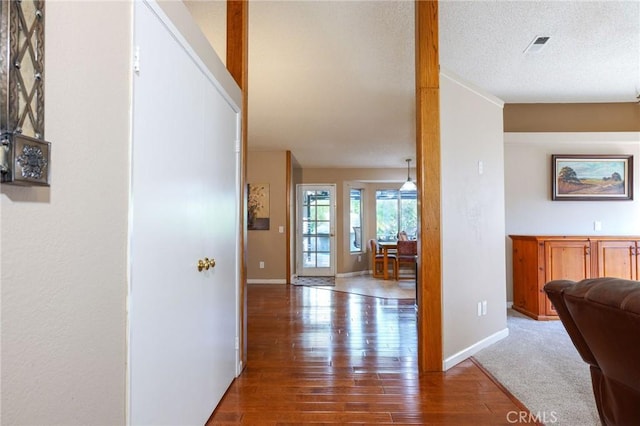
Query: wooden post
(430, 351)
(237, 64)
(289, 188)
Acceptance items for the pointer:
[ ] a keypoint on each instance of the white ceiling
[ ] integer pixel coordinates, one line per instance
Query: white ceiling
(593, 54)
(333, 81)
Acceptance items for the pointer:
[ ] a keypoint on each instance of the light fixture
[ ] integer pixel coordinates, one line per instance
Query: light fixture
(408, 185)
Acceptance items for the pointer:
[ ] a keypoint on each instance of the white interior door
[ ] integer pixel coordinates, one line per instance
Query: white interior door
(316, 230)
(182, 322)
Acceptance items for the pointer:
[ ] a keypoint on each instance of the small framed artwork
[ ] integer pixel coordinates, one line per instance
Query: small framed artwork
(591, 177)
(258, 207)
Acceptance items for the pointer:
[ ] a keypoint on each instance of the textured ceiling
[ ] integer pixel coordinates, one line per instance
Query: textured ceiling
(333, 81)
(593, 54)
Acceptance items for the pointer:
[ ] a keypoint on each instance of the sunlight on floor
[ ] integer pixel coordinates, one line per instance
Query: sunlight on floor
(368, 286)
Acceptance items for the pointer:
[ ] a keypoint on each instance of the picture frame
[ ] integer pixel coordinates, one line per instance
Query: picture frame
(588, 177)
(258, 207)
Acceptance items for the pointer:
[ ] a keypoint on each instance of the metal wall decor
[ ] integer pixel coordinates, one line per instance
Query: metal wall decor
(25, 156)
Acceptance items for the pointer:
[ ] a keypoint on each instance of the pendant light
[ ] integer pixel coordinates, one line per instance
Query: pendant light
(408, 185)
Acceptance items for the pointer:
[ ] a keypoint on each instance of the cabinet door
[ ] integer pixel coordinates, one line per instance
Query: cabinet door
(566, 260)
(526, 286)
(618, 259)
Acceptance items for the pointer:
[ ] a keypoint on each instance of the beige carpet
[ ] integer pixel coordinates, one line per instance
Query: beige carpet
(540, 366)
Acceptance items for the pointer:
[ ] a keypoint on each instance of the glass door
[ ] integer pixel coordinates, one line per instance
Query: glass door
(315, 230)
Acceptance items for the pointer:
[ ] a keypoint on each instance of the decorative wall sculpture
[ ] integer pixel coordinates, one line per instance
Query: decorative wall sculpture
(24, 154)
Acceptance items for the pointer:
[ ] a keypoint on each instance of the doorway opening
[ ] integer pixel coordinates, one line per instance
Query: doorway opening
(315, 230)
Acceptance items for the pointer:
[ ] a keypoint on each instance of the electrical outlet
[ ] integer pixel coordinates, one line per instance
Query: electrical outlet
(359, 258)
(261, 265)
(484, 307)
(597, 225)
(480, 167)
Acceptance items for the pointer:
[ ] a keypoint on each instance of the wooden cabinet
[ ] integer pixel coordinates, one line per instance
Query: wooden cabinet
(540, 259)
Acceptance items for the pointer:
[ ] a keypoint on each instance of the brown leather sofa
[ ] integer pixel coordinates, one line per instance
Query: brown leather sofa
(602, 317)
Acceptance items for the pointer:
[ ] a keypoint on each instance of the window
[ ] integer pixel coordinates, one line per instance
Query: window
(396, 211)
(355, 221)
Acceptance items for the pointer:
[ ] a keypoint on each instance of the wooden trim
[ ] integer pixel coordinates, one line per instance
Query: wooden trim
(237, 47)
(237, 40)
(430, 351)
(504, 390)
(598, 117)
(287, 226)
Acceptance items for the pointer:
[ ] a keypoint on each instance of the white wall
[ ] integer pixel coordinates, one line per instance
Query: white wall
(472, 218)
(211, 16)
(529, 209)
(64, 256)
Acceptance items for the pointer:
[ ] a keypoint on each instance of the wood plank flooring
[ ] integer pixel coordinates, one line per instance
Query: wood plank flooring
(317, 356)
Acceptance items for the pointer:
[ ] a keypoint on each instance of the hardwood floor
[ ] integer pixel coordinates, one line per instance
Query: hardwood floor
(317, 356)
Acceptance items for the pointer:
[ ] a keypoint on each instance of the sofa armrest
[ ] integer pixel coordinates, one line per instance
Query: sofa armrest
(554, 290)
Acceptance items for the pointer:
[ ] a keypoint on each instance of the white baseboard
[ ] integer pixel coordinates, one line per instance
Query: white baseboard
(474, 349)
(352, 274)
(264, 281)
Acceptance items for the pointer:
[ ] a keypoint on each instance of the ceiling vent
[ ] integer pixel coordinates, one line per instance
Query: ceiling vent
(537, 44)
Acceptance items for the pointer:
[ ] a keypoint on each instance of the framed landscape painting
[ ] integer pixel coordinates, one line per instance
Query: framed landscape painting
(591, 177)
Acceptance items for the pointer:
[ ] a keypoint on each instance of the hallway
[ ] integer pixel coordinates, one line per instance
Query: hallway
(327, 357)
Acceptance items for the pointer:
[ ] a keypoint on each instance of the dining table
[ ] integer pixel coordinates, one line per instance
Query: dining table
(385, 246)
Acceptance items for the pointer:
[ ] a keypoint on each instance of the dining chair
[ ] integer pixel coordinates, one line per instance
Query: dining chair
(377, 261)
(407, 254)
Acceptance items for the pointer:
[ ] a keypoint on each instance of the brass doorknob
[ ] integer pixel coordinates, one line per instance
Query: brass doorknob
(206, 264)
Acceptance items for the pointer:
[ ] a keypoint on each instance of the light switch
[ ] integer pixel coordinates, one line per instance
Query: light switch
(281, 229)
